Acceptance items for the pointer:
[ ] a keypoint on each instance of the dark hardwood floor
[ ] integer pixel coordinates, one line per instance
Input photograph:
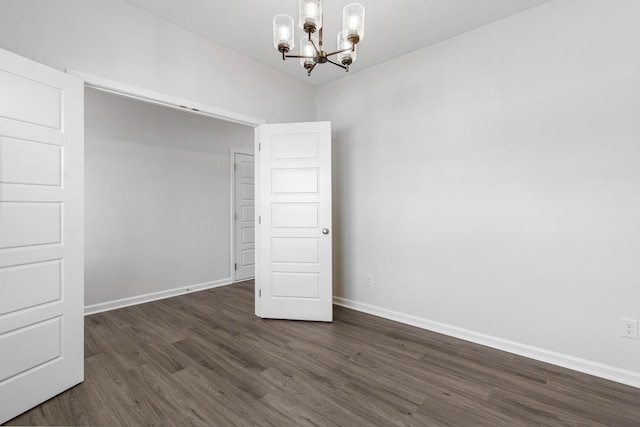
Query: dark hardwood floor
(205, 359)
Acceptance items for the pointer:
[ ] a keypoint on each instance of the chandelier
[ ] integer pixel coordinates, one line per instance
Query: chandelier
(312, 52)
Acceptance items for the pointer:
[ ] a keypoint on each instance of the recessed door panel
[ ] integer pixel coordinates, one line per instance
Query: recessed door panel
(248, 235)
(247, 169)
(247, 213)
(29, 101)
(294, 215)
(25, 162)
(295, 285)
(30, 285)
(294, 250)
(28, 224)
(248, 257)
(298, 146)
(294, 181)
(16, 347)
(248, 192)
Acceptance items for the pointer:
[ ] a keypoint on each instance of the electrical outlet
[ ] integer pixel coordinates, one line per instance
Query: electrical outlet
(629, 328)
(369, 280)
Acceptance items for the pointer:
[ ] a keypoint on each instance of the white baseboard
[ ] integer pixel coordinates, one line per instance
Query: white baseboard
(582, 365)
(154, 296)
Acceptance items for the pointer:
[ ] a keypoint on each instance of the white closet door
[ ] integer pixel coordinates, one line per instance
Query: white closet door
(41, 233)
(293, 259)
(244, 215)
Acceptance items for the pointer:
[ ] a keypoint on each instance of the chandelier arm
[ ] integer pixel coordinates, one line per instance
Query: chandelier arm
(339, 51)
(335, 63)
(299, 56)
(315, 47)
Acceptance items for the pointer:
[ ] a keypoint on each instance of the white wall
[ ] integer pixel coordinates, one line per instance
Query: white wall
(117, 41)
(491, 185)
(157, 201)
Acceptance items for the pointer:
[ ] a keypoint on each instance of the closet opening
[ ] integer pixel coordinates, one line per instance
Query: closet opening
(160, 208)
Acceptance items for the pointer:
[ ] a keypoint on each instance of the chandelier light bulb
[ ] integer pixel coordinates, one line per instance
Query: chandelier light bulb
(309, 52)
(307, 49)
(310, 11)
(310, 15)
(283, 33)
(347, 57)
(353, 22)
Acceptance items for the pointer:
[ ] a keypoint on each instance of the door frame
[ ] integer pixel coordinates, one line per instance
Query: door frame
(157, 98)
(232, 159)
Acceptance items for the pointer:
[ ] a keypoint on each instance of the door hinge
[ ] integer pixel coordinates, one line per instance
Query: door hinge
(259, 147)
(259, 293)
(259, 220)
(235, 266)
(235, 166)
(235, 216)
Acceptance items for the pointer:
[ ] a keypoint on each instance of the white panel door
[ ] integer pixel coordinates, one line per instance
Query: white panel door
(41, 233)
(244, 216)
(293, 248)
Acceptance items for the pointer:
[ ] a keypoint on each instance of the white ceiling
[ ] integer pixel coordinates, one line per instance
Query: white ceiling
(392, 27)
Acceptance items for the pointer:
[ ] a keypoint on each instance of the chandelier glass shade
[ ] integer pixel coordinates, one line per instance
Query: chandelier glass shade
(311, 47)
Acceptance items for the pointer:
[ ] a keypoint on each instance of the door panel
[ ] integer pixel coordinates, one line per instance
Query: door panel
(19, 93)
(294, 215)
(244, 200)
(294, 146)
(41, 233)
(29, 224)
(287, 181)
(294, 279)
(295, 285)
(31, 285)
(294, 250)
(17, 346)
(33, 163)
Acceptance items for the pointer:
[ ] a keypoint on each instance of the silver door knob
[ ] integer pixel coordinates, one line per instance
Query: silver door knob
(325, 231)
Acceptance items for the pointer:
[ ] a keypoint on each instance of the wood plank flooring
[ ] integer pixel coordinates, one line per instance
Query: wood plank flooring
(204, 359)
